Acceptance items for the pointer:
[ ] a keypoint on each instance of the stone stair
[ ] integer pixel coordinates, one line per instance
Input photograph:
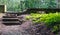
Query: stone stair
(10, 20)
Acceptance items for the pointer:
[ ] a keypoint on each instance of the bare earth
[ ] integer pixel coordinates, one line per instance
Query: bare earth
(15, 29)
(26, 28)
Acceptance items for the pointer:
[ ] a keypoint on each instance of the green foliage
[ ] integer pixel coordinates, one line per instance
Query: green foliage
(12, 5)
(51, 20)
(18, 5)
(41, 3)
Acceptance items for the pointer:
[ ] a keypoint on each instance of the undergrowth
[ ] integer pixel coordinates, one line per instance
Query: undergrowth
(51, 20)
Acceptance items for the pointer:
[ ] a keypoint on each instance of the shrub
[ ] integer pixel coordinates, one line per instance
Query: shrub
(51, 20)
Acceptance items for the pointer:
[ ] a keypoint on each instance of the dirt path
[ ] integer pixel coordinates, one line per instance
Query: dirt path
(23, 29)
(15, 29)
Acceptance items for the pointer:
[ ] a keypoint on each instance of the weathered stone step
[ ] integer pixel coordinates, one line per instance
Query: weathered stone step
(6, 20)
(10, 19)
(11, 22)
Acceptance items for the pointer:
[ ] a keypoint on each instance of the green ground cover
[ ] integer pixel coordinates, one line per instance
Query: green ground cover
(51, 20)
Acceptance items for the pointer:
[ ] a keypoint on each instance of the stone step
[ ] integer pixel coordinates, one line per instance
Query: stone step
(11, 22)
(10, 19)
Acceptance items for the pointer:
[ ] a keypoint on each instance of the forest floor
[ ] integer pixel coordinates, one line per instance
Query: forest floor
(26, 28)
(14, 29)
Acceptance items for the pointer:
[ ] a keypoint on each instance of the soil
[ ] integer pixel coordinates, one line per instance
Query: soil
(26, 28)
(14, 29)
